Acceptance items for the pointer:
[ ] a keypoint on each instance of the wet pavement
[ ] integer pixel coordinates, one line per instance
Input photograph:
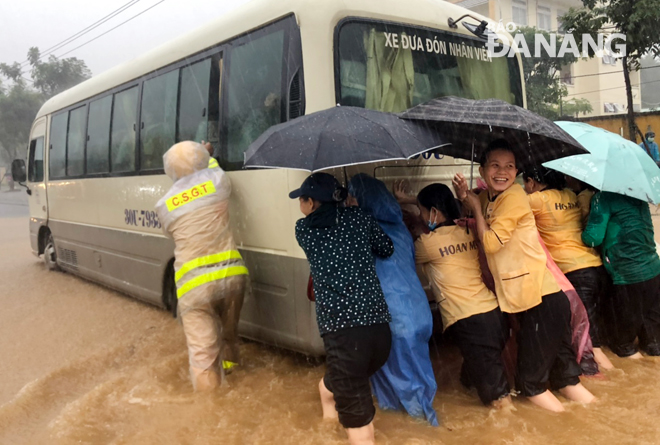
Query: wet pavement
(13, 203)
(84, 364)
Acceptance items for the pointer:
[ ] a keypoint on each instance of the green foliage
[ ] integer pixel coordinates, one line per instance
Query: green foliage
(56, 75)
(638, 20)
(575, 107)
(20, 102)
(543, 87)
(13, 72)
(17, 110)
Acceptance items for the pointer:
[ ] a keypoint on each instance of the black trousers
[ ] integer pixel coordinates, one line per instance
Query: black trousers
(590, 285)
(481, 339)
(545, 352)
(633, 311)
(352, 356)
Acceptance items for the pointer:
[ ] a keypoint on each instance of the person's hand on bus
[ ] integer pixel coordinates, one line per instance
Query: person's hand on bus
(402, 193)
(208, 147)
(460, 186)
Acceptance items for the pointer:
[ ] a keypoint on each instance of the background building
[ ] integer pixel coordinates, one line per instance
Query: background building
(599, 80)
(650, 84)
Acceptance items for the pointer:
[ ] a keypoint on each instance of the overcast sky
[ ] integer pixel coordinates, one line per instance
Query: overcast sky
(45, 23)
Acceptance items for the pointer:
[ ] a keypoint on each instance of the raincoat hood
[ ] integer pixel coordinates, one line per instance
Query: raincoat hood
(374, 198)
(185, 158)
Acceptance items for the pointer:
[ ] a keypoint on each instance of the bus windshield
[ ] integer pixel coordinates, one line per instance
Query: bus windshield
(389, 67)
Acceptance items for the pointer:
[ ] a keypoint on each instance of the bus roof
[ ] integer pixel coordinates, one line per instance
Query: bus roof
(255, 14)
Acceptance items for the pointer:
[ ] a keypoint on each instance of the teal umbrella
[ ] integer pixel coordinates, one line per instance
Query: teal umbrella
(614, 164)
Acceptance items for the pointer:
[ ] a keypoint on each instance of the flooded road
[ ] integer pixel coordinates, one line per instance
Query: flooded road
(83, 364)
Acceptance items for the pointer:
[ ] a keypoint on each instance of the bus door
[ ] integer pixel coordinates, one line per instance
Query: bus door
(38, 200)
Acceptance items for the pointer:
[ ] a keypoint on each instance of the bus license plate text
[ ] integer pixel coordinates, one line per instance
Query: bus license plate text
(141, 218)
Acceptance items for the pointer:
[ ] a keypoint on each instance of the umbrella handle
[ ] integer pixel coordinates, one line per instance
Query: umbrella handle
(472, 165)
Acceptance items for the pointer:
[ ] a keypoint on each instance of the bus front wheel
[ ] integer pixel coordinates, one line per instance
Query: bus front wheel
(170, 299)
(50, 254)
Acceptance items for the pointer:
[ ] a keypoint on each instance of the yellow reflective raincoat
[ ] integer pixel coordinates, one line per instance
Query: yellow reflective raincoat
(210, 273)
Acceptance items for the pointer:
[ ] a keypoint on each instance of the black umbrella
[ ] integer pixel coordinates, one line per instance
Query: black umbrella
(470, 125)
(339, 137)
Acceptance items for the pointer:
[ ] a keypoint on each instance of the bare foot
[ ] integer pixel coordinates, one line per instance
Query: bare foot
(577, 393)
(636, 356)
(361, 436)
(327, 403)
(602, 360)
(547, 400)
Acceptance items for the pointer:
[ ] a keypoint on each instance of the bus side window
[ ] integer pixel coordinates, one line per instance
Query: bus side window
(36, 160)
(57, 153)
(194, 106)
(75, 142)
(254, 92)
(122, 138)
(158, 115)
(98, 135)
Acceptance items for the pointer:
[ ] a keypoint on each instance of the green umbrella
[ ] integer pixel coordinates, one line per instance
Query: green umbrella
(614, 164)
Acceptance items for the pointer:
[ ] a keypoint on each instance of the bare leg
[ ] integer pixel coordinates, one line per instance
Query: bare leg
(361, 436)
(577, 393)
(327, 402)
(636, 356)
(547, 400)
(602, 359)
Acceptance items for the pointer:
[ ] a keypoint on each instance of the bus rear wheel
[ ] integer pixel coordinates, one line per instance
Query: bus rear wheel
(50, 254)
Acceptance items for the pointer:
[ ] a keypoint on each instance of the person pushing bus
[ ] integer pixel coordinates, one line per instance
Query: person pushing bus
(210, 274)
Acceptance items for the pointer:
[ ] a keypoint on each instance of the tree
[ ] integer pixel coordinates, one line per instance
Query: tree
(19, 102)
(56, 75)
(543, 86)
(17, 110)
(575, 106)
(636, 19)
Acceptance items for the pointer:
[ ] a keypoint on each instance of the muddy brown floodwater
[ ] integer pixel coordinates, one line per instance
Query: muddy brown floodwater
(83, 364)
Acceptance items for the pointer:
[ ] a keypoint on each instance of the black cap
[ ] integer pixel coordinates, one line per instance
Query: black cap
(319, 186)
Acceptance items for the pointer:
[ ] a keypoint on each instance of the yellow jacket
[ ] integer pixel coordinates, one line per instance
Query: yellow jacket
(515, 256)
(584, 203)
(451, 263)
(559, 221)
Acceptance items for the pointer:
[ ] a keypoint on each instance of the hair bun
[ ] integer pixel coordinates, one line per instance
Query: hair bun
(340, 194)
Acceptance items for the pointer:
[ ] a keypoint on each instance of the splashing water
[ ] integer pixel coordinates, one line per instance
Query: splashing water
(82, 364)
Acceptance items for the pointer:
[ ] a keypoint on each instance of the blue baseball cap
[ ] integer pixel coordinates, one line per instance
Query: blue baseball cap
(319, 186)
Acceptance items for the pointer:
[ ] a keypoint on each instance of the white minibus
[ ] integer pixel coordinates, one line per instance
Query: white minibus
(94, 165)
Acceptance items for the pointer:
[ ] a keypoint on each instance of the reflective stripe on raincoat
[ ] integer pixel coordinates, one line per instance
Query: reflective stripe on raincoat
(195, 213)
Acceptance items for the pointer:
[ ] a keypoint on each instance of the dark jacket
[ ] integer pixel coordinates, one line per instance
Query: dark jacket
(341, 260)
(623, 226)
